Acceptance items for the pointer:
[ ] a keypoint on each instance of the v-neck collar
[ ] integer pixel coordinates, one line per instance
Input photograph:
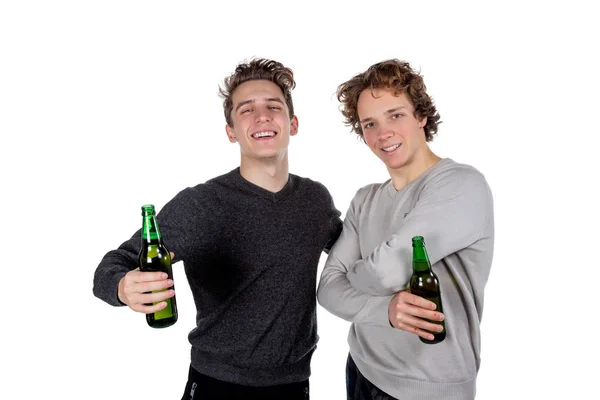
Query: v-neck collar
(260, 191)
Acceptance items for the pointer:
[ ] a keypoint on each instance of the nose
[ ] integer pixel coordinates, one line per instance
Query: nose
(384, 134)
(263, 116)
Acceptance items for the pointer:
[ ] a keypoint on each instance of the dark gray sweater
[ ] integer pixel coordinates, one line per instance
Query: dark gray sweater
(251, 260)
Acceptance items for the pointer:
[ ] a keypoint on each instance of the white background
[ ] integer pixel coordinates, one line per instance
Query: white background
(92, 92)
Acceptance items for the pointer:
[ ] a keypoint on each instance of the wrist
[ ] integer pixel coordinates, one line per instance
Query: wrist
(120, 291)
(391, 307)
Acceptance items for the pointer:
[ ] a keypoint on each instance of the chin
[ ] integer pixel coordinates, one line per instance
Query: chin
(395, 164)
(268, 155)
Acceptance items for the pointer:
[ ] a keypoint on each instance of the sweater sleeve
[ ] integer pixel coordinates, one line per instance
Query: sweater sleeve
(336, 294)
(451, 214)
(174, 222)
(335, 225)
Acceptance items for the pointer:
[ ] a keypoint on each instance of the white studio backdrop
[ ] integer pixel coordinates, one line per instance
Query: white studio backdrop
(105, 106)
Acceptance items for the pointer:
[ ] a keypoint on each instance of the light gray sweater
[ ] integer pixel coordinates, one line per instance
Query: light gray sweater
(450, 205)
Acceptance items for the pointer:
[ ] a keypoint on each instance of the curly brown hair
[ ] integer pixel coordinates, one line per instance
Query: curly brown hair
(389, 74)
(257, 69)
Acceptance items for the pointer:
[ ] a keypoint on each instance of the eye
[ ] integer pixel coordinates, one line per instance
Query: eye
(274, 108)
(247, 110)
(396, 116)
(368, 125)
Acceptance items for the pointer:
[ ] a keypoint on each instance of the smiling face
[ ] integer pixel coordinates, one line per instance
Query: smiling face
(391, 130)
(261, 122)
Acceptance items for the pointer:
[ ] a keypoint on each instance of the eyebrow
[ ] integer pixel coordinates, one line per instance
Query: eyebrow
(390, 111)
(267, 99)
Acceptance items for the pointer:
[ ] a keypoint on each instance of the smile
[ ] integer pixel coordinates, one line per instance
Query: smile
(263, 134)
(391, 148)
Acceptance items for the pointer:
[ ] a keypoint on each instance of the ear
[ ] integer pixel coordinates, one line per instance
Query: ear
(294, 126)
(230, 134)
(423, 122)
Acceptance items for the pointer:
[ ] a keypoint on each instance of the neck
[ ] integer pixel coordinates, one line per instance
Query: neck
(270, 174)
(420, 163)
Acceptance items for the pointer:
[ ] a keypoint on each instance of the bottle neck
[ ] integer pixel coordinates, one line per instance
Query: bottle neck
(420, 259)
(150, 231)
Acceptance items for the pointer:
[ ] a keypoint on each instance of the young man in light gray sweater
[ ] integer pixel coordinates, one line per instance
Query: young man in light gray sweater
(366, 275)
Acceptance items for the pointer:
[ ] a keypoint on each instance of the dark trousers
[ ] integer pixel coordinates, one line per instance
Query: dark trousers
(202, 387)
(359, 388)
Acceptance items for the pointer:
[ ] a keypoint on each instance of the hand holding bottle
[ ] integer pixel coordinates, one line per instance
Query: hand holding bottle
(412, 313)
(136, 290)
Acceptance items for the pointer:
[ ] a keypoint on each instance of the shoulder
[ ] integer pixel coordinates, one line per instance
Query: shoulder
(370, 196)
(451, 178)
(189, 199)
(203, 194)
(309, 185)
(306, 190)
(220, 180)
(371, 190)
(216, 185)
(450, 171)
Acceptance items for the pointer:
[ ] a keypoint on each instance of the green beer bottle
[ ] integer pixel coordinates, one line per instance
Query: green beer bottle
(424, 283)
(154, 256)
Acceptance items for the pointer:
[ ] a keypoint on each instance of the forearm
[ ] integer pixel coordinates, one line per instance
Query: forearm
(372, 277)
(336, 294)
(114, 265)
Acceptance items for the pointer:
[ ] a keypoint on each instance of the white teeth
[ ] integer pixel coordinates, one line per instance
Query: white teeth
(264, 134)
(391, 148)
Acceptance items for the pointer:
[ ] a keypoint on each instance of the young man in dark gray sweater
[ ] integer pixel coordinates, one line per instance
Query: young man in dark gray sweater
(250, 241)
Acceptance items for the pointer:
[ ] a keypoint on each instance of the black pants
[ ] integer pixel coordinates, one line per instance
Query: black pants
(359, 388)
(202, 387)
